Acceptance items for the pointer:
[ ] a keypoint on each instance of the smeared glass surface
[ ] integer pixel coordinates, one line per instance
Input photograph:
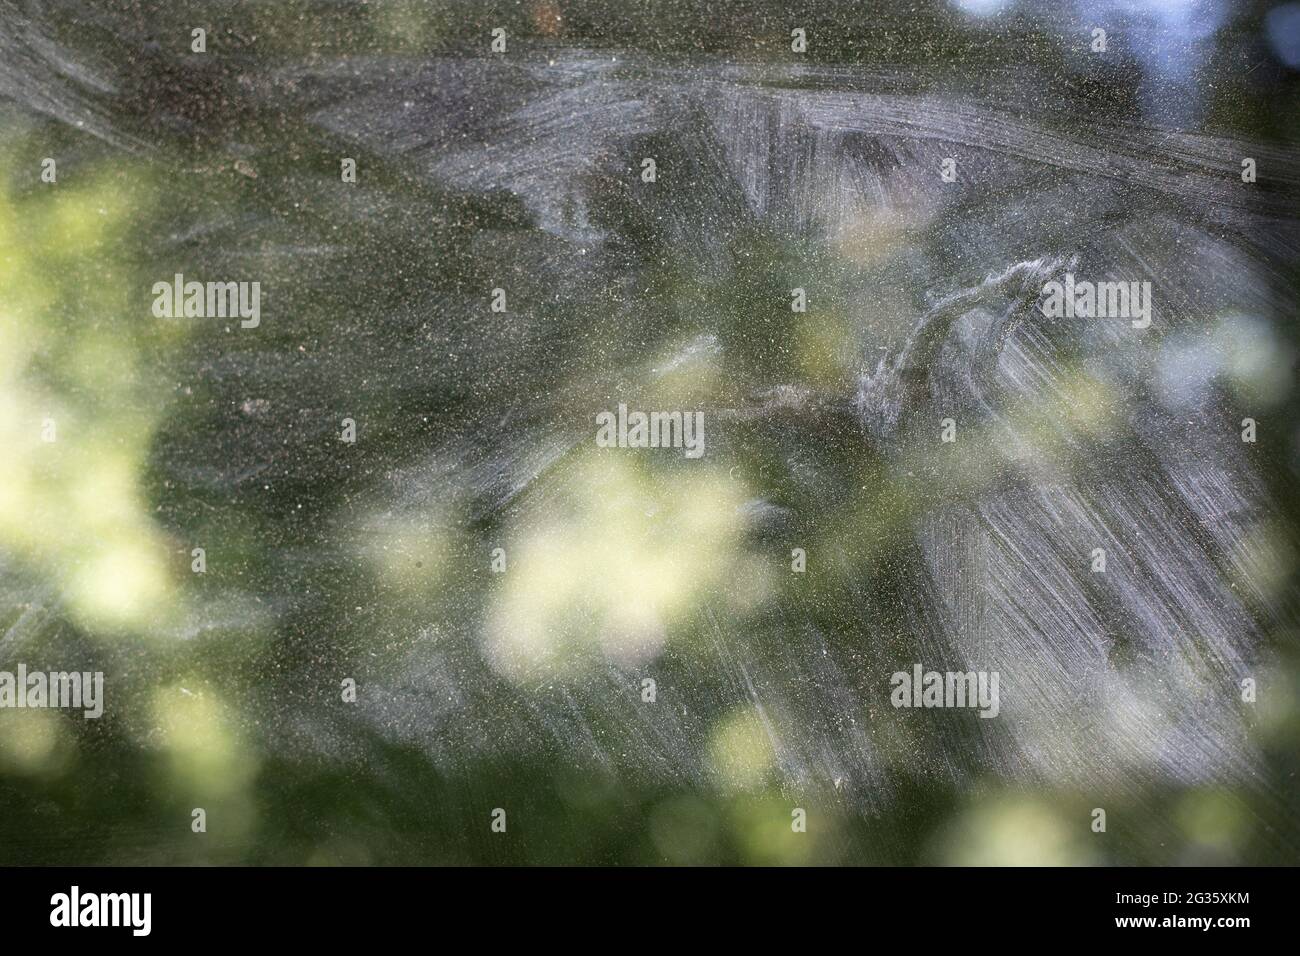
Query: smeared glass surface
(475, 431)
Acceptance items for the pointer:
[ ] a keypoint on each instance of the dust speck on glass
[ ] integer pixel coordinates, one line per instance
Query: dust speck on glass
(584, 432)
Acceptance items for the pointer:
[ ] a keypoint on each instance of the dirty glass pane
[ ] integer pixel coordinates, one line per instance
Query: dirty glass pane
(574, 431)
